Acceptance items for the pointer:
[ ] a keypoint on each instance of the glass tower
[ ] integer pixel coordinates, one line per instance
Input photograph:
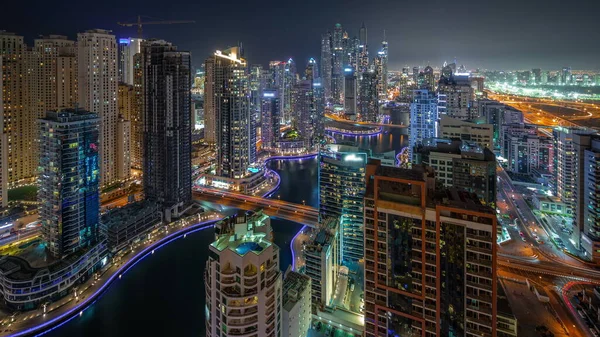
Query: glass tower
(69, 176)
(342, 186)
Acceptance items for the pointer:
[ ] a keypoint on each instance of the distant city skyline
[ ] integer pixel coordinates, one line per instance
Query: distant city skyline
(481, 35)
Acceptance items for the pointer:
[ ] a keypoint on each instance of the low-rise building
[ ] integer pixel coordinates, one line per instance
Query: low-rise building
(123, 226)
(548, 204)
(296, 313)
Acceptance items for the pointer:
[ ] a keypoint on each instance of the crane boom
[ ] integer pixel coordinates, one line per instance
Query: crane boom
(141, 23)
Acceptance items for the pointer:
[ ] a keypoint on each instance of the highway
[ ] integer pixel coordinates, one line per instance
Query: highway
(294, 212)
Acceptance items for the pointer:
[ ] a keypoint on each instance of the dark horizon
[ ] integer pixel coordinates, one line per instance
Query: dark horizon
(507, 35)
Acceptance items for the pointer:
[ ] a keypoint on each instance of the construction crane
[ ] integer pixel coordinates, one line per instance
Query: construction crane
(141, 23)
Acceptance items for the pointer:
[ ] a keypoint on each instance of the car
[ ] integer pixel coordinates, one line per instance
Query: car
(521, 233)
(524, 240)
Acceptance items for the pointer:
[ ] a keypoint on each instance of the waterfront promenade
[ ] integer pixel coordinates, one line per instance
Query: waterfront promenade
(53, 315)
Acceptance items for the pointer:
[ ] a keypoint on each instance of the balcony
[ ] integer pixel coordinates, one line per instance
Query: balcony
(242, 312)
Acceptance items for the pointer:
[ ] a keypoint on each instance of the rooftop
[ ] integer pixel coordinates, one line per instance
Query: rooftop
(294, 285)
(243, 233)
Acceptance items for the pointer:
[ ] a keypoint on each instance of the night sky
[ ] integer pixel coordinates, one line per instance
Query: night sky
(510, 34)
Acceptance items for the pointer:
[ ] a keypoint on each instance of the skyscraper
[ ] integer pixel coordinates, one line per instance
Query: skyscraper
(97, 92)
(289, 81)
(303, 107)
(426, 79)
(137, 116)
(128, 47)
(271, 111)
(438, 250)
(277, 81)
(168, 129)
(69, 177)
(242, 278)
(210, 110)
(341, 188)
(350, 92)
(363, 57)
(232, 113)
(367, 98)
(3, 148)
(382, 70)
(54, 81)
(125, 140)
(19, 124)
(337, 77)
(326, 65)
(423, 118)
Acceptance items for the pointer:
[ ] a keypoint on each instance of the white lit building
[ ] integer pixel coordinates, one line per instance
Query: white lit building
(482, 134)
(423, 118)
(296, 313)
(242, 279)
(322, 261)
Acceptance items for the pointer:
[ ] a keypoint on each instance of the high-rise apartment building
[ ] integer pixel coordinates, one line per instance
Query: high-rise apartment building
(456, 97)
(19, 123)
(128, 47)
(232, 114)
(168, 129)
(296, 311)
(126, 102)
(423, 118)
(68, 181)
(137, 117)
(54, 74)
(326, 65)
(341, 188)
(438, 250)
(322, 262)
(303, 105)
(228, 72)
(337, 72)
(382, 70)
(426, 79)
(210, 110)
(350, 93)
(97, 92)
(368, 101)
(271, 116)
(479, 133)
(3, 148)
(462, 164)
(587, 218)
(565, 165)
(242, 279)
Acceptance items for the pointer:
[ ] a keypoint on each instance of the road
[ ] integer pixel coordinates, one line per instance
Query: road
(294, 212)
(551, 112)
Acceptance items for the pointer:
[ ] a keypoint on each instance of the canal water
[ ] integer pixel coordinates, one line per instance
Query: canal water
(163, 295)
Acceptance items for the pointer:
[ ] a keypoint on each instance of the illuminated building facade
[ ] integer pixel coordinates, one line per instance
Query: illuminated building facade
(232, 112)
(423, 118)
(271, 115)
(69, 176)
(168, 129)
(438, 250)
(296, 312)
(337, 70)
(18, 123)
(457, 97)
(350, 93)
(128, 47)
(326, 65)
(242, 279)
(322, 258)
(341, 188)
(303, 106)
(97, 92)
(368, 101)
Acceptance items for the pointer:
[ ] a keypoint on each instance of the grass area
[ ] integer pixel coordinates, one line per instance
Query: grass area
(28, 193)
